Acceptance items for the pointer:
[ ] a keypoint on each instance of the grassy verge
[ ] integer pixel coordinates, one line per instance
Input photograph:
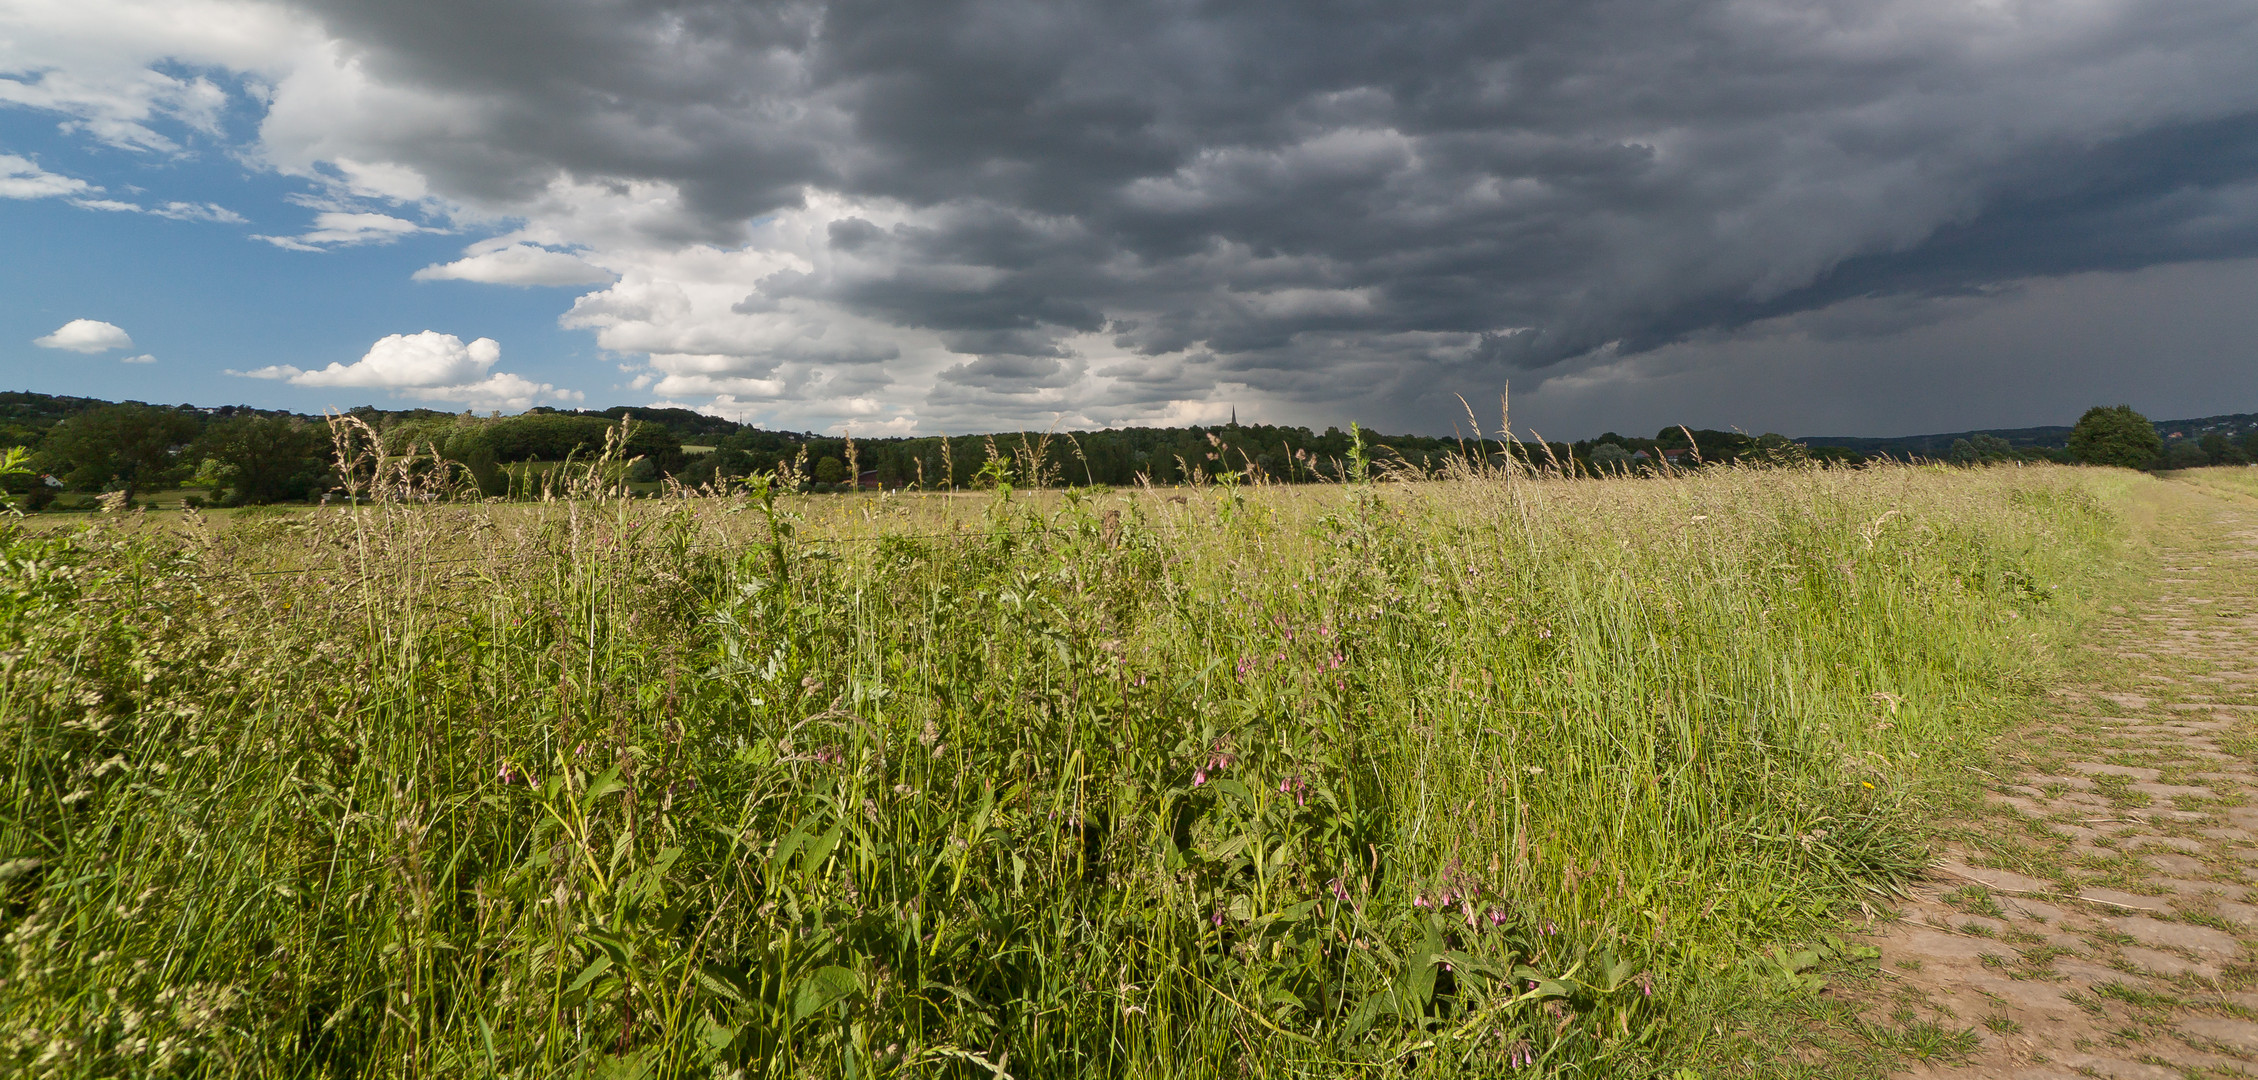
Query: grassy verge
(1433, 779)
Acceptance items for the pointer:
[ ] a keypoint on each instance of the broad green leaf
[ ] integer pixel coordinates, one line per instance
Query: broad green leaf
(595, 970)
(821, 988)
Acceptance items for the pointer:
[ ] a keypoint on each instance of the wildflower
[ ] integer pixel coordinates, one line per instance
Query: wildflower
(1497, 916)
(506, 775)
(1418, 900)
(1199, 776)
(1217, 918)
(1868, 785)
(1340, 891)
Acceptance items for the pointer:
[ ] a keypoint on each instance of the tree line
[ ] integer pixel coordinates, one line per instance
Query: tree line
(239, 455)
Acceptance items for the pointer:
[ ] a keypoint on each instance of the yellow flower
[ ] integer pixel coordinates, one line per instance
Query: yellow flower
(1866, 785)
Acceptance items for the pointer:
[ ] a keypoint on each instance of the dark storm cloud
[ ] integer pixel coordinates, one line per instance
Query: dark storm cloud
(1330, 200)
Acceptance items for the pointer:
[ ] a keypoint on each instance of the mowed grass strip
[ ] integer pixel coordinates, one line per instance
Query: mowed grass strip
(1424, 779)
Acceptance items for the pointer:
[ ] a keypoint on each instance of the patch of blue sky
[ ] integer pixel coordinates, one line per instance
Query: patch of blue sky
(201, 295)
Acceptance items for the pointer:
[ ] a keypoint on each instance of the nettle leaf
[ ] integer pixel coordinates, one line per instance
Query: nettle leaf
(595, 970)
(822, 988)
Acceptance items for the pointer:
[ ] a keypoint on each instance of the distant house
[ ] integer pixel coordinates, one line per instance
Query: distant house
(868, 481)
(1678, 454)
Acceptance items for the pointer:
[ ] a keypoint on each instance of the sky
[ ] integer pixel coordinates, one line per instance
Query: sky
(1858, 217)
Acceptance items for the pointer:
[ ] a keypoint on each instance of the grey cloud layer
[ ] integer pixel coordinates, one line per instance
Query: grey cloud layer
(1328, 200)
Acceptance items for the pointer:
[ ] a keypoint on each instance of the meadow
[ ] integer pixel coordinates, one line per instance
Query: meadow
(1449, 778)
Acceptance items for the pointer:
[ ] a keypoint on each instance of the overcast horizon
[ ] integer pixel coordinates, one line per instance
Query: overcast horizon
(1856, 219)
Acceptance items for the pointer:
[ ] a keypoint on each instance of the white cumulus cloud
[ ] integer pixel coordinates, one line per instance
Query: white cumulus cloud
(429, 366)
(518, 264)
(144, 358)
(86, 336)
(410, 360)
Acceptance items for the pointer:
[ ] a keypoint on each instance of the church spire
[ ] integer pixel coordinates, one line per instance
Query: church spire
(1234, 416)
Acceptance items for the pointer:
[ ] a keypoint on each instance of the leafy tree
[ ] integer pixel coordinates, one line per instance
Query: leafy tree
(831, 470)
(264, 459)
(486, 472)
(1981, 450)
(545, 436)
(131, 445)
(2115, 435)
(2185, 454)
(1611, 458)
(2223, 451)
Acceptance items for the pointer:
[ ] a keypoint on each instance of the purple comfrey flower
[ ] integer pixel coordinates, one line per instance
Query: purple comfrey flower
(1340, 891)
(1497, 916)
(507, 775)
(1418, 900)
(1199, 776)
(1217, 918)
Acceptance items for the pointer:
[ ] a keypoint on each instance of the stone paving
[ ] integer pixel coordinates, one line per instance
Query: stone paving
(2102, 921)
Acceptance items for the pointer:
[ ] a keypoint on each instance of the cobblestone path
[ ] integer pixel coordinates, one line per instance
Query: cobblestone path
(2102, 921)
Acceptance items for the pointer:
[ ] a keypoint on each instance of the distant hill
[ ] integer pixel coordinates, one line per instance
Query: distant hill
(2232, 425)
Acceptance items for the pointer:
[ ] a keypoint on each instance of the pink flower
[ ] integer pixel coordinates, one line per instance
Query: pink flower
(1199, 777)
(1418, 900)
(1217, 918)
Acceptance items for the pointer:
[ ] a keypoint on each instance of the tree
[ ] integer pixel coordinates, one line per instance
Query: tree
(1610, 458)
(129, 444)
(1980, 450)
(831, 470)
(2185, 454)
(2223, 452)
(2115, 435)
(265, 459)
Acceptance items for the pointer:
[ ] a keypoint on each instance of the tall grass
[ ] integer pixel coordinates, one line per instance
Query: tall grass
(1421, 779)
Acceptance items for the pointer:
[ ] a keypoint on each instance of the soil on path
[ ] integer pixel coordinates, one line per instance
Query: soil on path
(2102, 920)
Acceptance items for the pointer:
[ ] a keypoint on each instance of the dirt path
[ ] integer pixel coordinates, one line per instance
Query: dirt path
(2103, 921)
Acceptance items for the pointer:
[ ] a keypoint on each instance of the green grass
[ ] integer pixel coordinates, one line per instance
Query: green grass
(1407, 779)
